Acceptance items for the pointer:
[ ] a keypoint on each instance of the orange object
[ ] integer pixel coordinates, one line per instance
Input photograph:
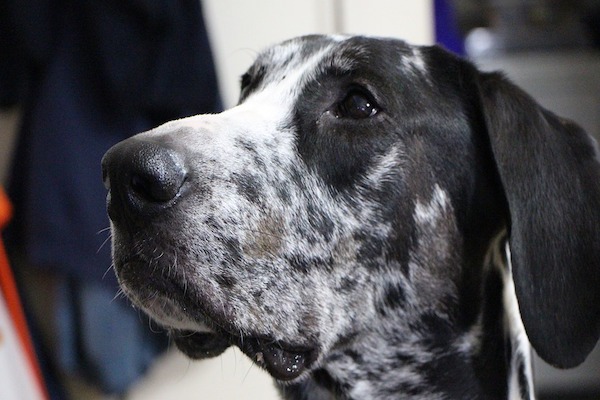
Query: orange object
(5, 210)
(8, 289)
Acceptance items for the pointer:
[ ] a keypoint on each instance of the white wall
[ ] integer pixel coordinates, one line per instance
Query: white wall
(239, 29)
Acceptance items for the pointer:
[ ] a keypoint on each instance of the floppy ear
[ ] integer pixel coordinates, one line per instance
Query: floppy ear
(550, 174)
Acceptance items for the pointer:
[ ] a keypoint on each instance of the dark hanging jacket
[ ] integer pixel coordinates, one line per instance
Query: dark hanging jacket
(88, 74)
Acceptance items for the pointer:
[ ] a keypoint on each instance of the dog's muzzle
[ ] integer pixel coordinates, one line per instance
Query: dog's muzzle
(146, 181)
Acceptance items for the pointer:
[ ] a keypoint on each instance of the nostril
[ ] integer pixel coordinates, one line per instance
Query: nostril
(157, 186)
(143, 177)
(157, 174)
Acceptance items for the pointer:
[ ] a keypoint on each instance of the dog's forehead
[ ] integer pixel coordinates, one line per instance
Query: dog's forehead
(290, 53)
(309, 57)
(296, 54)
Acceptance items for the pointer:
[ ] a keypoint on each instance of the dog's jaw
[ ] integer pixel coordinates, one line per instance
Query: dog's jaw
(446, 361)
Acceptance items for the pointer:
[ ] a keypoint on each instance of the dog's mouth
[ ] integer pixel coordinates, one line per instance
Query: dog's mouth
(200, 335)
(283, 361)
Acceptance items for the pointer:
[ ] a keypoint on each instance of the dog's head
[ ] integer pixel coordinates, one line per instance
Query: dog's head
(357, 178)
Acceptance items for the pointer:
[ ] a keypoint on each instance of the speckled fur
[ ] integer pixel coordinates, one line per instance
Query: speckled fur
(386, 258)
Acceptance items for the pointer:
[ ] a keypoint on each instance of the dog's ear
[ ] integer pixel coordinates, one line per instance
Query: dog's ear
(550, 173)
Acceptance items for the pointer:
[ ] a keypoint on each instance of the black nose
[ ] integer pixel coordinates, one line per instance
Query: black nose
(143, 177)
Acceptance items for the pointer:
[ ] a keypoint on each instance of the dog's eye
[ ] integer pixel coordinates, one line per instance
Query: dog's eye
(357, 105)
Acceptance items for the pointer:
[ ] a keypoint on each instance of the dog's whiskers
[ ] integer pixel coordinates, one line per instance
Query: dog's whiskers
(103, 230)
(104, 243)
(112, 266)
(151, 326)
(120, 293)
(248, 372)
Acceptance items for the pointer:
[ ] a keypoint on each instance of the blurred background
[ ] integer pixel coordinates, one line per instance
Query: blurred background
(551, 48)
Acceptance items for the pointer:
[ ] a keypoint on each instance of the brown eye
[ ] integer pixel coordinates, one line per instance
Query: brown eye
(356, 105)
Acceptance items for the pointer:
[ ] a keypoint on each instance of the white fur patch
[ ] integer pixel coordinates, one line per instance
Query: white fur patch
(518, 337)
(415, 62)
(432, 212)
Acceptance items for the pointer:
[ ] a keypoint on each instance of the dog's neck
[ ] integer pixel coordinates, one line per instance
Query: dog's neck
(437, 356)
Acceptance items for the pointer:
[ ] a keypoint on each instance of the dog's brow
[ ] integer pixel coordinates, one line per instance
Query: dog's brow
(338, 64)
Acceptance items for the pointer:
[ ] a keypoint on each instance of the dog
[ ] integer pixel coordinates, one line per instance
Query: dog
(373, 220)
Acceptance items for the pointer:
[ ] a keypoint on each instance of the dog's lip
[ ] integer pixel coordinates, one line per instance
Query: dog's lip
(163, 298)
(283, 361)
(199, 345)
